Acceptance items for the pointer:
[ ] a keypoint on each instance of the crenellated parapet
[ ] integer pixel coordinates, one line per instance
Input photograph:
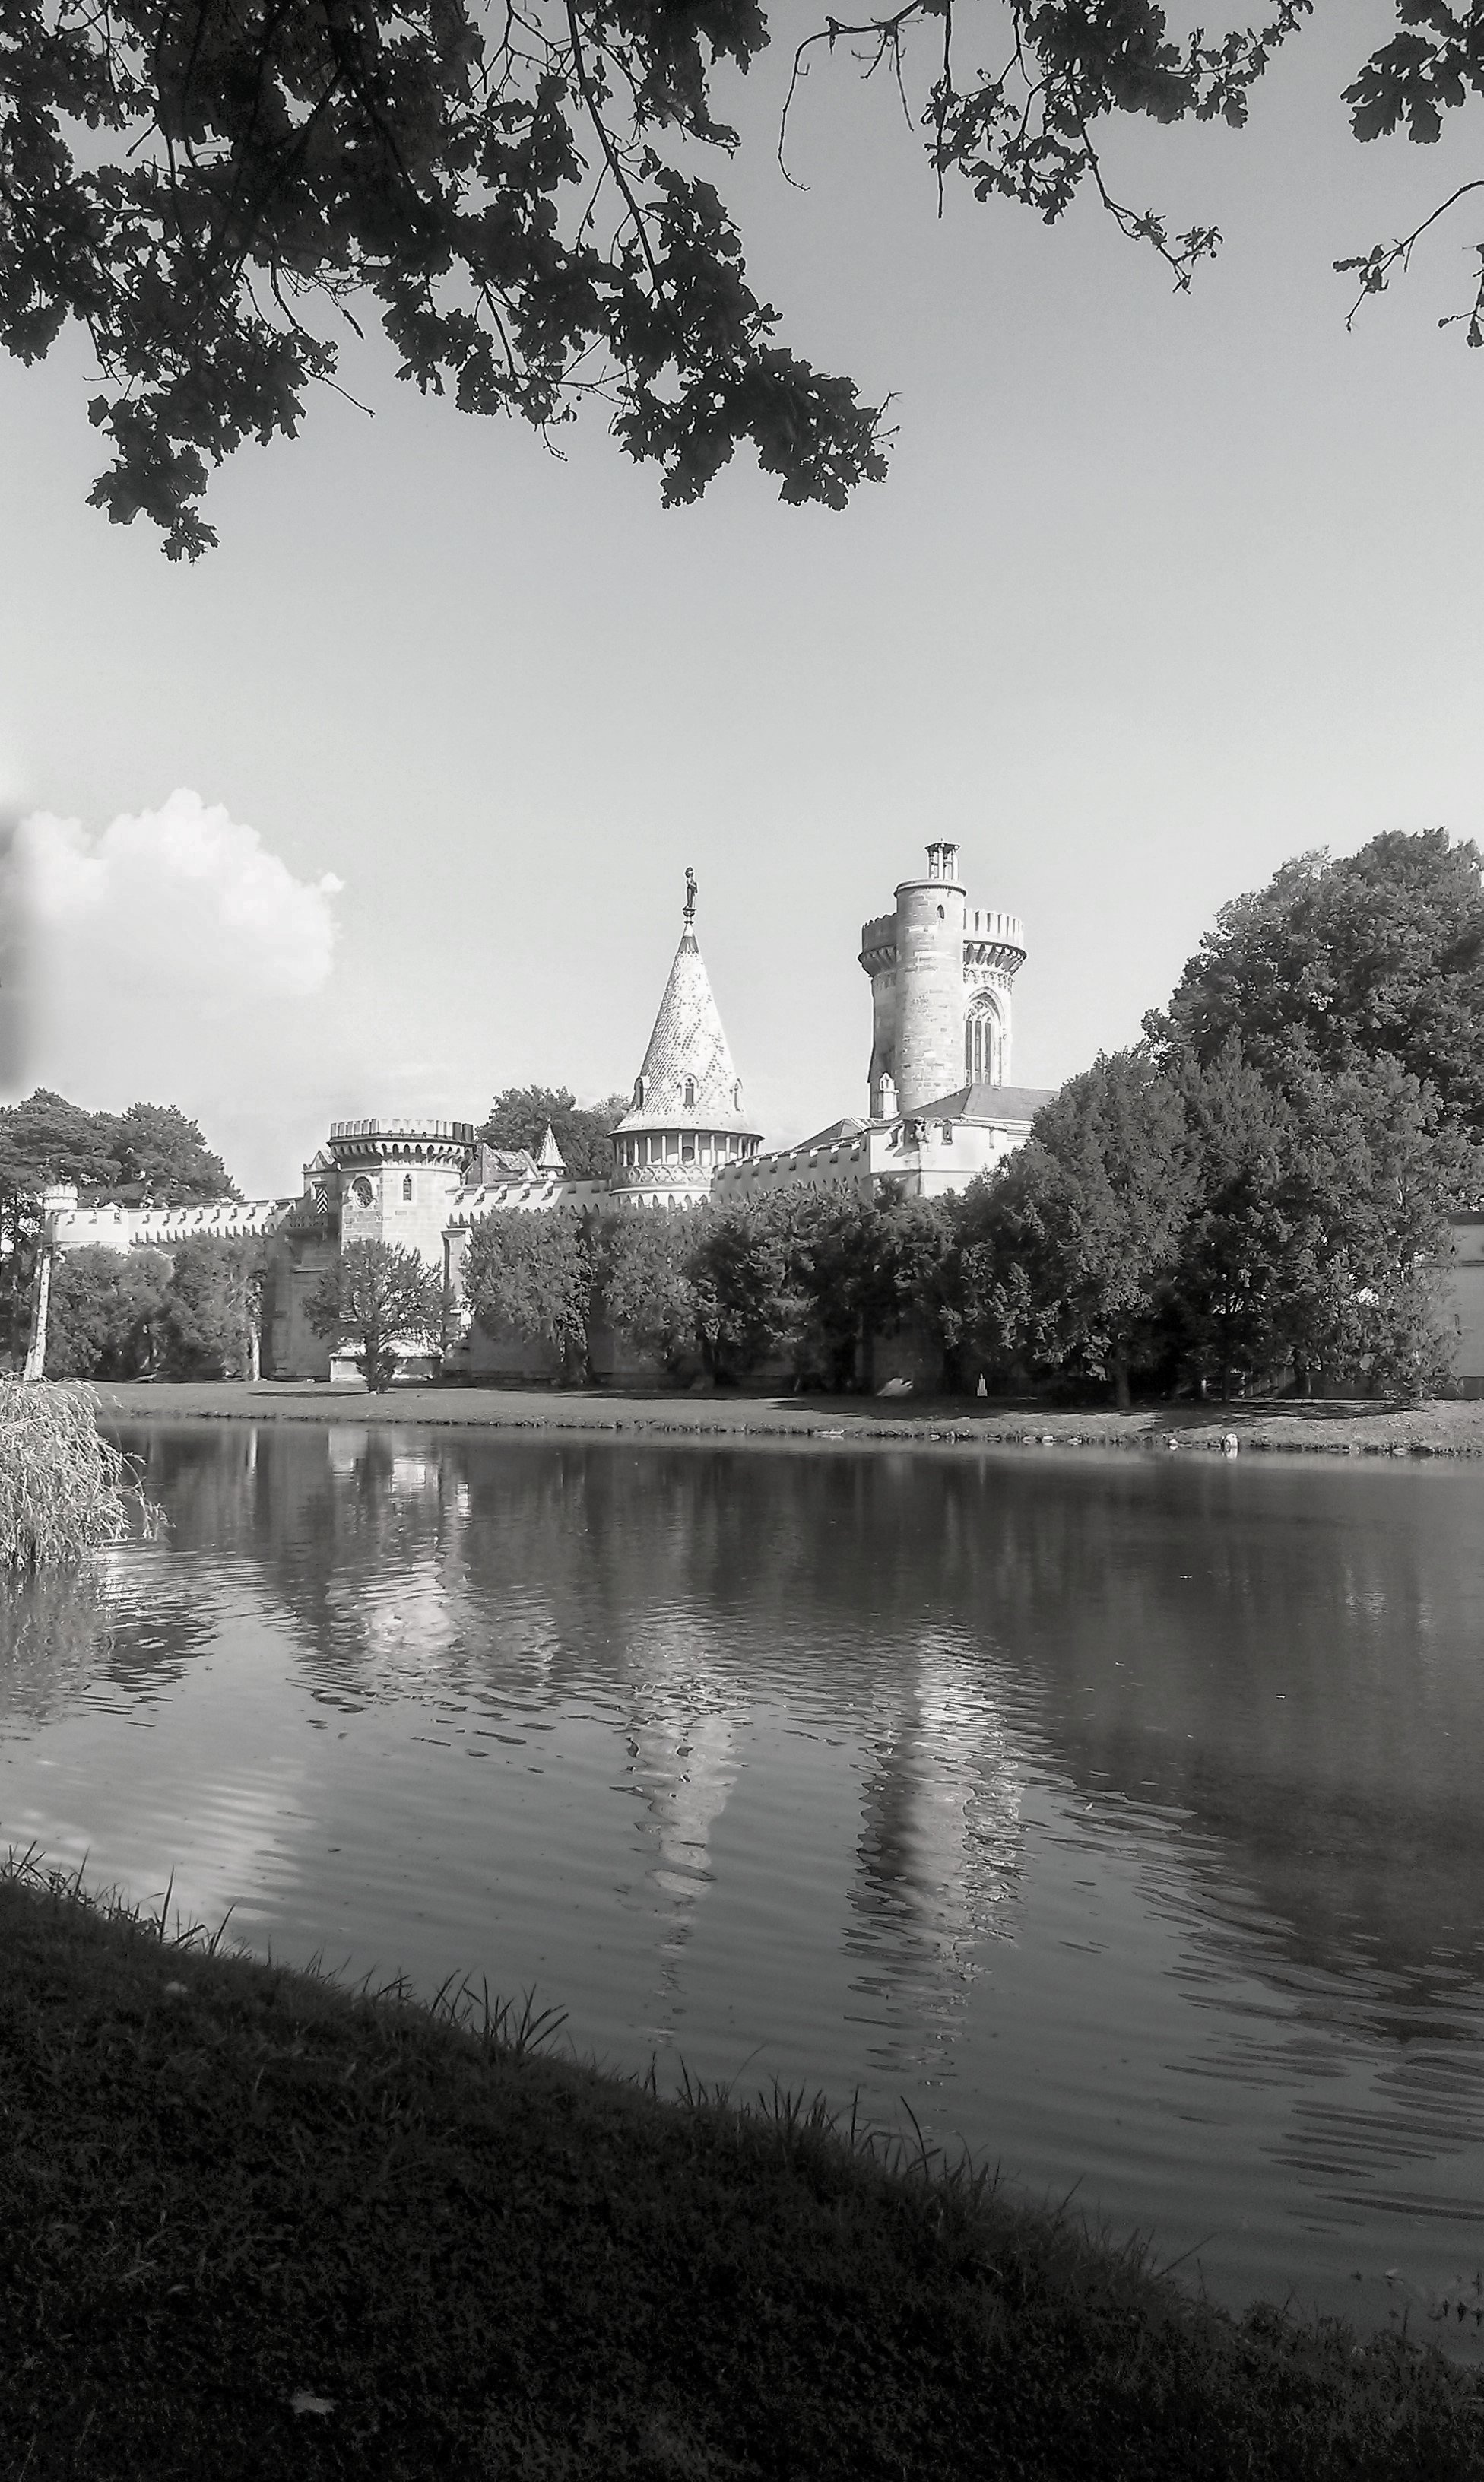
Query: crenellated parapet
(400, 1140)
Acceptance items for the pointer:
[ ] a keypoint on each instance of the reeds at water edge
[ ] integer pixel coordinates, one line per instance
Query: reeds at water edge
(64, 1489)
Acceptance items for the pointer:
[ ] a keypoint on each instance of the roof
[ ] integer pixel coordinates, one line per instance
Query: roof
(1017, 1103)
(688, 1043)
(835, 1135)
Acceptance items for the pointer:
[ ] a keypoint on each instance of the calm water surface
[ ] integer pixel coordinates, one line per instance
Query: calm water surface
(1120, 1817)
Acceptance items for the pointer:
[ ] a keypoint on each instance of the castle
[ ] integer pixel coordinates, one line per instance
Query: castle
(941, 1109)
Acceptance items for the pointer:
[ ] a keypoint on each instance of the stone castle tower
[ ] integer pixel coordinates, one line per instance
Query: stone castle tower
(940, 987)
(687, 1116)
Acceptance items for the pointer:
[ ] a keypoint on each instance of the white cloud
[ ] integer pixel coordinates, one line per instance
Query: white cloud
(179, 897)
(173, 959)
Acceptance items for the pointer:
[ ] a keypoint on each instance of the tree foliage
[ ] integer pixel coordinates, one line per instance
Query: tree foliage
(534, 1274)
(1379, 954)
(644, 1284)
(106, 1313)
(1067, 1258)
(212, 1308)
(520, 1116)
(209, 187)
(379, 1299)
(149, 1151)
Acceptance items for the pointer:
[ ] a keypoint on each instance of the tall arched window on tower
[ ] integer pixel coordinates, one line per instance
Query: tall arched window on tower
(983, 1054)
(638, 1093)
(406, 1189)
(690, 1101)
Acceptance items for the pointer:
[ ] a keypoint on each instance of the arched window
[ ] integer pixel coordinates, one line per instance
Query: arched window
(362, 1192)
(984, 1057)
(638, 1093)
(690, 1096)
(736, 1096)
(406, 1189)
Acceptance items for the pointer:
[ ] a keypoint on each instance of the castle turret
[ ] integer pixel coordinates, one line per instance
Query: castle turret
(686, 1116)
(940, 973)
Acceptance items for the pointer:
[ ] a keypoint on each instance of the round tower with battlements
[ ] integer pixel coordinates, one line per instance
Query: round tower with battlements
(940, 973)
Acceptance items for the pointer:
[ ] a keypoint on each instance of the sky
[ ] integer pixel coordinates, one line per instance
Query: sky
(386, 804)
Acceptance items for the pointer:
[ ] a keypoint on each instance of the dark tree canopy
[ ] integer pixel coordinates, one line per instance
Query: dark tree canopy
(534, 1274)
(521, 1115)
(211, 187)
(1378, 955)
(214, 1309)
(151, 1150)
(106, 1312)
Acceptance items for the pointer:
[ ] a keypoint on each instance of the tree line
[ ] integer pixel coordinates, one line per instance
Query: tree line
(1257, 1195)
(196, 1313)
(150, 1154)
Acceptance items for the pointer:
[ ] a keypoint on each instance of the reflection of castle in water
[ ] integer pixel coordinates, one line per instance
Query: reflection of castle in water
(485, 1577)
(1174, 1643)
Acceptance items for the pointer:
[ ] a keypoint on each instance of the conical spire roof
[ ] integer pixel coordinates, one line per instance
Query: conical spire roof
(689, 1079)
(550, 1157)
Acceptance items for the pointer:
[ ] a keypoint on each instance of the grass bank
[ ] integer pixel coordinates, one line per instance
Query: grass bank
(253, 2225)
(1449, 1427)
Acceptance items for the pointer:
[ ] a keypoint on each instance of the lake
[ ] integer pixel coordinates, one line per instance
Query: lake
(1117, 1816)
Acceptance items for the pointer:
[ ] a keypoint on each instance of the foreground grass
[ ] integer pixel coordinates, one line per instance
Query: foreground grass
(253, 2225)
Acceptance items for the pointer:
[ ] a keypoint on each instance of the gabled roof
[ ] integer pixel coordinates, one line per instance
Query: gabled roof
(835, 1135)
(688, 1043)
(1017, 1104)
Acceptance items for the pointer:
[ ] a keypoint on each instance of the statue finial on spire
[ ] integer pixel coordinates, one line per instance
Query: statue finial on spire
(689, 897)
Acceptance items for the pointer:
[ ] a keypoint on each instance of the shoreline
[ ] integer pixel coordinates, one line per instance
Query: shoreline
(264, 2225)
(1449, 1427)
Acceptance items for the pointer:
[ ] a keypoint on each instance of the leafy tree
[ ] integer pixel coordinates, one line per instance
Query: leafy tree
(752, 1307)
(380, 1299)
(521, 1115)
(512, 193)
(645, 1286)
(106, 1313)
(163, 1156)
(43, 1140)
(1320, 1221)
(1379, 954)
(213, 1309)
(1252, 1250)
(859, 1269)
(535, 1273)
(1065, 1255)
(102, 1154)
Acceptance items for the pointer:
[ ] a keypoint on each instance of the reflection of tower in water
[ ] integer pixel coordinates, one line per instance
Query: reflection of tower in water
(683, 1761)
(939, 1847)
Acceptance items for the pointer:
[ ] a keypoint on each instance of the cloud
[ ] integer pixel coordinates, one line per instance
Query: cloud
(173, 957)
(175, 899)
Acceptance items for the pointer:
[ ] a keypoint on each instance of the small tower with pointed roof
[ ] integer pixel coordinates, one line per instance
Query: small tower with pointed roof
(549, 1160)
(687, 1118)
